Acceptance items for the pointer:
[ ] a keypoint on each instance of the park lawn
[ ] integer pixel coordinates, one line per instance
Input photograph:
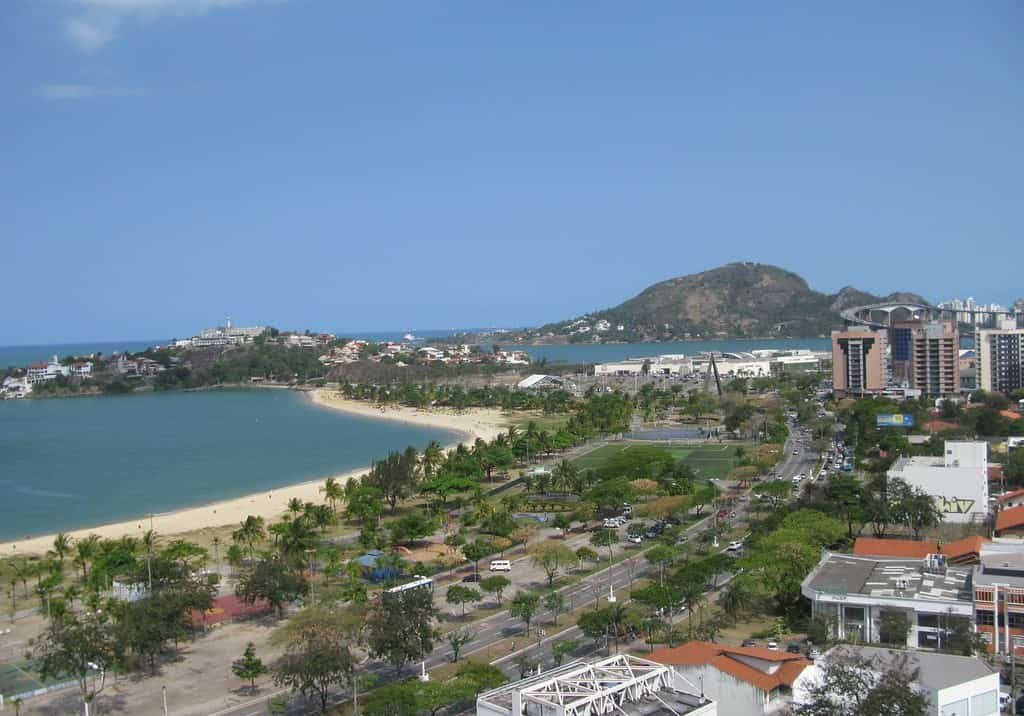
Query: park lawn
(551, 423)
(596, 458)
(707, 461)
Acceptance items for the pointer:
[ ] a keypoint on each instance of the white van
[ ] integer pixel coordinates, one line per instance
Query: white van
(501, 565)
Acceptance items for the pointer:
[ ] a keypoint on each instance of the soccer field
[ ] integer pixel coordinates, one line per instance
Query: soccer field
(707, 461)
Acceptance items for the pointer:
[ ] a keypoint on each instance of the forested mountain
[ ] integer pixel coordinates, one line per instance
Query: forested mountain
(735, 300)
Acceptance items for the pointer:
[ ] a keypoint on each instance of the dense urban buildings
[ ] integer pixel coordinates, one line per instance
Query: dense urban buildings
(1000, 359)
(858, 362)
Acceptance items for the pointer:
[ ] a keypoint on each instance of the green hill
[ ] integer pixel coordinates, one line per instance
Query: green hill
(738, 300)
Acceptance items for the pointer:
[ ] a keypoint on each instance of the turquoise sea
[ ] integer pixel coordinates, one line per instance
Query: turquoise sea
(80, 462)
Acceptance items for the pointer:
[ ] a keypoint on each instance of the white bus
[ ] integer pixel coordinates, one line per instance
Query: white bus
(416, 583)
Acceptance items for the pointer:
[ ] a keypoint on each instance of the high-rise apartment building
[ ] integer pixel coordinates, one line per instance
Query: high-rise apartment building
(935, 358)
(1001, 360)
(858, 362)
(901, 343)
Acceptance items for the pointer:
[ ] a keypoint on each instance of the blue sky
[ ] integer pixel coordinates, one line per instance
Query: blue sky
(336, 165)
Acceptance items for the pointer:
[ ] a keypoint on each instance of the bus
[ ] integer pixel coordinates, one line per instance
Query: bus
(417, 583)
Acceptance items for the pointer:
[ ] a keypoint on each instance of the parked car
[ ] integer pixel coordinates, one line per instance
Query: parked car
(472, 577)
(792, 648)
(773, 646)
(814, 653)
(501, 565)
(735, 546)
(749, 642)
(635, 539)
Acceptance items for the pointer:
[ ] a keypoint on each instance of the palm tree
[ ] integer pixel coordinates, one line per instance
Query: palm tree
(296, 506)
(61, 545)
(216, 551)
(333, 493)
(512, 434)
(692, 594)
(21, 571)
(432, 458)
(71, 593)
(565, 475)
(734, 600)
(85, 551)
(250, 533)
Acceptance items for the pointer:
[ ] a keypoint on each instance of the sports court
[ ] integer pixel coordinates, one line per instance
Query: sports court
(21, 677)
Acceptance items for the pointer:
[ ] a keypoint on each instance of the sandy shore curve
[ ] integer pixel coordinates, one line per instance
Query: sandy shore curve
(270, 504)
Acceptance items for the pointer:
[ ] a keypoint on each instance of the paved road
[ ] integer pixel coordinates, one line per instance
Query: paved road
(591, 588)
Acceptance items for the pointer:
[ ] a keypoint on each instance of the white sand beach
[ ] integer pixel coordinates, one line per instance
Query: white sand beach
(473, 423)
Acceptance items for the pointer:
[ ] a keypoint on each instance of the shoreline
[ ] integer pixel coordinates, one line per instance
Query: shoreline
(270, 504)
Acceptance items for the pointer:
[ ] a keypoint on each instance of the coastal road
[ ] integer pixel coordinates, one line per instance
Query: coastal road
(593, 588)
(495, 628)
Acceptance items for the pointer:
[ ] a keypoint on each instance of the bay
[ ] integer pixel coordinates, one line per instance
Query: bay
(21, 356)
(72, 463)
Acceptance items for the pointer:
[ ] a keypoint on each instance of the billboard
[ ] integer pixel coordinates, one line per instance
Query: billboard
(894, 420)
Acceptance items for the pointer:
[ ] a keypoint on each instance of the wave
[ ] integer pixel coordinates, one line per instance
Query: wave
(36, 492)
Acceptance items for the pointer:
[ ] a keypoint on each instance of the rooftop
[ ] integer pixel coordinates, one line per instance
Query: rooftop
(758, 666)
(1003, 568)
(1010, 495)
(915, 549)
(936, 671)
(899, 578)
(1010, 519)
(624, 684)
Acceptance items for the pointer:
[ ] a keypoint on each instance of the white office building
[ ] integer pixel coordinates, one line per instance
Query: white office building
(958, 480)
(856, 594)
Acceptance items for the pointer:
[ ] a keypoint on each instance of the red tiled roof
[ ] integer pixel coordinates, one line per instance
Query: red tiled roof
(963, 547)
(1011, 414)
(995, 472)
(1009, 495)
(914, 549)
(695, 653)
(1007, 519)
(908, 548)
(938, 426)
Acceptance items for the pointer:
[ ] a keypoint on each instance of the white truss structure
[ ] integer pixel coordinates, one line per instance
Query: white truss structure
(602, 687)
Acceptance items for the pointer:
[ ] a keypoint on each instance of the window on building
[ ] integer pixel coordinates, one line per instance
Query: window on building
(986, 704)
(957, 708)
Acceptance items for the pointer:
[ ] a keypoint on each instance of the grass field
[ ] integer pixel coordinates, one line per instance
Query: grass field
(707, 461)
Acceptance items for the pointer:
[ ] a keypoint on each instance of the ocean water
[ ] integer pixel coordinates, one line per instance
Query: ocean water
(601, 352)
(80, 462)
(21, 356)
